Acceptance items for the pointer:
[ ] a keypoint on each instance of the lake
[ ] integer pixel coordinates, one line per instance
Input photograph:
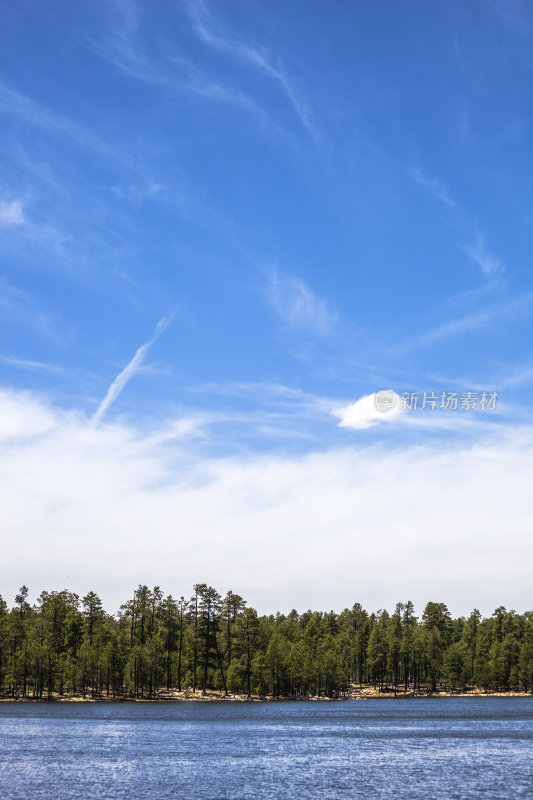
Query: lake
(417, 748)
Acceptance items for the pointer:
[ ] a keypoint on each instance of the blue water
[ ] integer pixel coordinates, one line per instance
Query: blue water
(417, 748)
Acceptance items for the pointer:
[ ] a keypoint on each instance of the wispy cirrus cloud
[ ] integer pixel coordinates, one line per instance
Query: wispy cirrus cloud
(518, 376)
(480, 319)
(129, 370)
(475, 321)
(13, 216)
(270, 393)
(18, 105)
(434, 187)
(477, 251)
(211, 33)
(32, 366)
(11, 212)
(24, 310)
(515, 16)
(169, 71)
(62, 130)
(296, 303)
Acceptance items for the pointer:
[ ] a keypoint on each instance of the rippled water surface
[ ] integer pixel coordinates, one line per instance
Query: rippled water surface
(423, 748)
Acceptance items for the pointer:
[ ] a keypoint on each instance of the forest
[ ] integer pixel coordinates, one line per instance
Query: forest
(66, 645)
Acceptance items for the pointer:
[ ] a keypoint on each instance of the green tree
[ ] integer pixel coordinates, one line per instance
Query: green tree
(436, 621)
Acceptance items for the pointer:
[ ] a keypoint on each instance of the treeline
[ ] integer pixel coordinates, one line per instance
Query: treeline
(64, 644)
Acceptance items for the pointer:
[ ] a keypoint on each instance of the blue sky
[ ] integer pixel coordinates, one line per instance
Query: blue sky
(222, 222)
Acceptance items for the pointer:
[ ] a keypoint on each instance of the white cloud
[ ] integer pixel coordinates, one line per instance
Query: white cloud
(106, 508)
(294, 301)
(129, 371)
(11, 212)
(367, 411)
(22, 417)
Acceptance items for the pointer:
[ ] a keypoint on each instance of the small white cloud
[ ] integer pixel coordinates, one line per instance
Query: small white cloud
(294, 301)
(370, 410)
(11, 212)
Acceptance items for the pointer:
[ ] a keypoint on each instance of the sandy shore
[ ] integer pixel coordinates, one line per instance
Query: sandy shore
(163, 695)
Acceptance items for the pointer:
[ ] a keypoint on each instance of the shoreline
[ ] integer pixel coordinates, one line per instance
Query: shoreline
(165, 696)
